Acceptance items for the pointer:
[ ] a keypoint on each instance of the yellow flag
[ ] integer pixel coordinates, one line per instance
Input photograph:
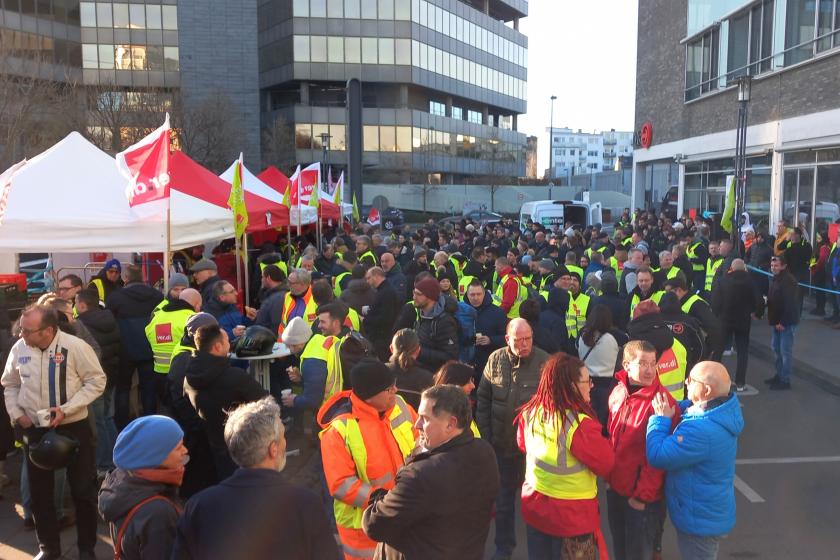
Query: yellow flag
(356, 215)
(313, 200)
(236, 201)
(287, 196)
(729, 207)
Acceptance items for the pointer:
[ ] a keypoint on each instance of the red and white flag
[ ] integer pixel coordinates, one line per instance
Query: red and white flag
(373, 218)
(146, 166)
(304, 182)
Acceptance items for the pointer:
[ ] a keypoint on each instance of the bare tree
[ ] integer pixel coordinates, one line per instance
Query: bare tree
(279, 144)
(208, 131)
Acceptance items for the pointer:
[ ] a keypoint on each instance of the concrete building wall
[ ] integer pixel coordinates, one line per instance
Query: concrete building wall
(218, 43)
(808, 88)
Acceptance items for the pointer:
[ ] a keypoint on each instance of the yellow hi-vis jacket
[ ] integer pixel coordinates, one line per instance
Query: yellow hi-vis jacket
(164, 332)
(671, 368)
(576, 314)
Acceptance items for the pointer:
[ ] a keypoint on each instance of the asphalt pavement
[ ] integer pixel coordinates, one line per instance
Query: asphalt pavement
(788, 478)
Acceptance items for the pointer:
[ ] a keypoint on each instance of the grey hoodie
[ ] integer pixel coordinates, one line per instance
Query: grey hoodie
(151, 532)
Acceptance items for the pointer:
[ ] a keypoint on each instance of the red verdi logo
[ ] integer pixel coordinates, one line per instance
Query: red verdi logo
(163, 333)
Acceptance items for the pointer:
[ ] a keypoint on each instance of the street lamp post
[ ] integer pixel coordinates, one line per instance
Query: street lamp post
(325, 146)
(744, 87)
(493, 143)
(551, 147)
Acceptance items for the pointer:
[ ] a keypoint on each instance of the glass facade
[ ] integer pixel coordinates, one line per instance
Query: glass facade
(811, 189)
(764, 36)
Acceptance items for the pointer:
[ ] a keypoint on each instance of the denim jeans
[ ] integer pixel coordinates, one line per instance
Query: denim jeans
(693, 547)
(106, 431)
(783, 347)
(26, 495)
(633, 532)
(542, 546)
(511, 475)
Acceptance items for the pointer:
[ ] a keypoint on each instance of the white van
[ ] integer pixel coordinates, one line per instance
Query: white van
(561, 213)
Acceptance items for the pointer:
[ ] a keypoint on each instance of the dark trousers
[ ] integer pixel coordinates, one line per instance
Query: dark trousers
(81, 474)
(819, 280)
(633, 532)
(148, 392)
(511, 474)
(741, 336)
(600, 397)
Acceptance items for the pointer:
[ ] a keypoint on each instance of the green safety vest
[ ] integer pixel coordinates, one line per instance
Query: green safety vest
(164, 333)
(636, 300)
(691, 253)
(576, 314)
(712, 267)
(279, 264)
(337, 283)
(672, 272)
(671, 367)
(575, 269)
(550, 467)
(689, 303)
(463, 285)
(370, 254)
(521, 295)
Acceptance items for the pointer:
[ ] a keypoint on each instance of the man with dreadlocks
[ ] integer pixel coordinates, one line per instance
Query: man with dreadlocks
(565, 453)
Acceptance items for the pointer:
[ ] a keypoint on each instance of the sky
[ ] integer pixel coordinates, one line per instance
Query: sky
(584, 52)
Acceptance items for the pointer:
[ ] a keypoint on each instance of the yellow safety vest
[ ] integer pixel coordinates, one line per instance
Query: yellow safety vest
(458, 266)
(370, 254)
(463, 286)
(350, 517)
(310, 313)
(550, 467)
(576, 314)
(521, 295)
(335, 377)
(164, 332)
(711, 269)
(474, 429)
(355, 320)
(100, 288)
(318, 348)
(691, 253)
(671, 367)
(636, 300)
(337, 283)
(686, 307)
(279, 264)
(574, 269)
(672, 272)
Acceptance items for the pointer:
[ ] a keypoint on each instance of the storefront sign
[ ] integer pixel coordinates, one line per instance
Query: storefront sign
(643, 138)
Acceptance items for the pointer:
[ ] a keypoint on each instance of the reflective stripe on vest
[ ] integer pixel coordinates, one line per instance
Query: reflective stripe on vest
(521, 295)
(370, 254)
(309, 312)
(576, 314)
(317, 348)
(551, 469)
(686, 307)
(335, 378)
(350, 516)
(636, 300)
(458, 267)
(671, 368)
(100, 288)
(474, 429)
(711, 269)
(164, 332)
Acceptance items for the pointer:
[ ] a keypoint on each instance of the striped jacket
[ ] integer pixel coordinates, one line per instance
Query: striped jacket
(66, 374)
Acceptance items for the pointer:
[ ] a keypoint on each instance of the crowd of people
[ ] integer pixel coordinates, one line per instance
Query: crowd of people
(441, 374)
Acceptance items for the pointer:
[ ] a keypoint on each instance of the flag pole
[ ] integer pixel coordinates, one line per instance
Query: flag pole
(168, 254)
(245, 268)
(299, 206)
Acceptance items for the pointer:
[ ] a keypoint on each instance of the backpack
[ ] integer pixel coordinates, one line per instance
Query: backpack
(351, 350)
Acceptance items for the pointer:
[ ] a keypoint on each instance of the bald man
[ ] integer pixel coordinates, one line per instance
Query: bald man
(510, 379)
(193, 297)
(699, 459)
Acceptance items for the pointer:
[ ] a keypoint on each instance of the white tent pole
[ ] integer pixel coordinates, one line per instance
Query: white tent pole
(245, 268)
(168, 252)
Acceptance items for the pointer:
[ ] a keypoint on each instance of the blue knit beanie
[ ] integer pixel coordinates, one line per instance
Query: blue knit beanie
(113, 264)
(145, 442)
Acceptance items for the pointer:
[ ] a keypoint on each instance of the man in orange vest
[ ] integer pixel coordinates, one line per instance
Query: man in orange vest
(298, 302)
(368, 434)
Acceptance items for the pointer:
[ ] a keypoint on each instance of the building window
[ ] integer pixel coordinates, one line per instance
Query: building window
(436, 108)
(303, 136)
(457, 113)
(371, 138)
(750, 48)
(474, 117)
(812, 26)
(701, 64)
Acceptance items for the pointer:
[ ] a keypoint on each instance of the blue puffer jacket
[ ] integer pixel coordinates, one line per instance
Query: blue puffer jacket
(699, 460)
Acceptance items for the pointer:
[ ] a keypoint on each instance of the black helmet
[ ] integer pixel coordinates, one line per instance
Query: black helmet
(53, 451)
(256, 341)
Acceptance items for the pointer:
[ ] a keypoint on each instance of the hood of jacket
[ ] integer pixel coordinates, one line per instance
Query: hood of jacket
(177, 305)
(121, 491)
(558, 300)
(727, 415)
(205, 368)
(651, 327)
(444, 303)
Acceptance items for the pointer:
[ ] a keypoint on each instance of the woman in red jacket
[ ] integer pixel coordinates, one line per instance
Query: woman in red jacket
(565, 452)
(635, 505)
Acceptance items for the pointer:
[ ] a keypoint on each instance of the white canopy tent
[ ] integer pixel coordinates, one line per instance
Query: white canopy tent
(251, 183)
(71, 199)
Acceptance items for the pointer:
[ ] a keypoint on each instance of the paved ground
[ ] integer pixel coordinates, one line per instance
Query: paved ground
(788, 466)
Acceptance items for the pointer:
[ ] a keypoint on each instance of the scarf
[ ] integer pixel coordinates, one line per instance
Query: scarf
(173, 477)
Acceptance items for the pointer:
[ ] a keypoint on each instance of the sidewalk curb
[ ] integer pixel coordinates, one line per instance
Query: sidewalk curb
(823, 379)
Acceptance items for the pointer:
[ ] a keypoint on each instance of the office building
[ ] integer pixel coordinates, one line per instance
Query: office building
(584, 153)
(691, 56)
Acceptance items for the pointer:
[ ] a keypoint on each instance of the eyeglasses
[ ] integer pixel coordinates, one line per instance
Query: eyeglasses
(29, 332)
(589, 382)
(689, 380)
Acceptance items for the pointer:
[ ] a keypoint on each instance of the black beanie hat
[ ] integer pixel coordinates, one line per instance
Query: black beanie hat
(369, 377)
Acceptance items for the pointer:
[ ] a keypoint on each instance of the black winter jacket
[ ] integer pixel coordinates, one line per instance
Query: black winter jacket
(151, 532)
(214, 387)
(379, 322)
(735, 299)
(491, 322)
(440, 506)
(783, 300)
(132, 308)
(553, 319)
(102, 325)
(437, 330)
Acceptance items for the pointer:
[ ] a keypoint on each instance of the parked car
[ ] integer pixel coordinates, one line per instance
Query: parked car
(389, 218)
(480, 217)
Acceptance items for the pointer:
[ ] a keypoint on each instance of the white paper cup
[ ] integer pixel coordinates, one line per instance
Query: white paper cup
(286, 392)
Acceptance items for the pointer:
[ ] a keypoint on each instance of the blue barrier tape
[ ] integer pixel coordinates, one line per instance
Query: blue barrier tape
(804, 285)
